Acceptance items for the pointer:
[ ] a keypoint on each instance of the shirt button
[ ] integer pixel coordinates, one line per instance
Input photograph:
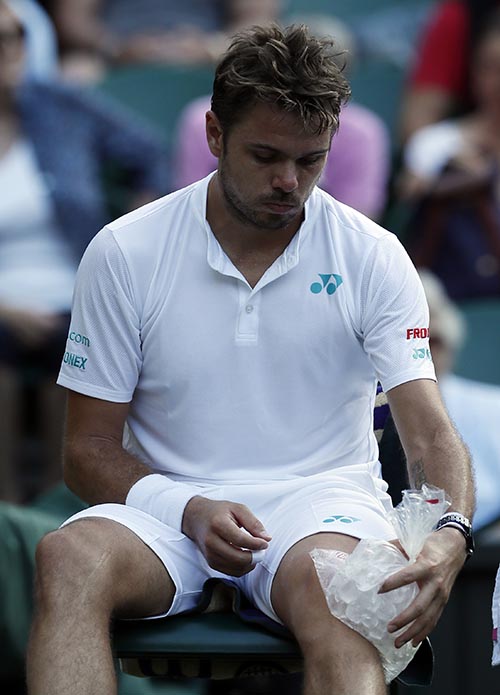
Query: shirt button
(249, 309)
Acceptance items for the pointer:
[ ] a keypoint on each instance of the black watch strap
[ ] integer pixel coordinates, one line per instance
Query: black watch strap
(462, 524)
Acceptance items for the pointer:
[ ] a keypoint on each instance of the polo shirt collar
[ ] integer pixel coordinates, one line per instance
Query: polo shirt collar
(220, 262)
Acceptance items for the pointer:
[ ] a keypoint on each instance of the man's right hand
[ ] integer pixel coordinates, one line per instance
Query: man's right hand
(226, 533)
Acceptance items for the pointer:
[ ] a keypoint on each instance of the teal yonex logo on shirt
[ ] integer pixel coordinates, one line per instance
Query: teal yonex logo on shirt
(341, 518)
(79, 338)
(422, 354)
(75, 360)
(329, 282)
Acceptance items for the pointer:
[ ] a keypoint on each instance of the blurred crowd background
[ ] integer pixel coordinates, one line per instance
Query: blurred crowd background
(102, 107)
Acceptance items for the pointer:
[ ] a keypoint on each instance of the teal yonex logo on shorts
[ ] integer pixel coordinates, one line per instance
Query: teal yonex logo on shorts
(329, 282)
(341, 518)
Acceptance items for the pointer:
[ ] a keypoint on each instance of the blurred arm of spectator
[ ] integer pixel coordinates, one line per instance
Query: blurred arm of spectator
(81, 29)
(41, 42)
(438, 82)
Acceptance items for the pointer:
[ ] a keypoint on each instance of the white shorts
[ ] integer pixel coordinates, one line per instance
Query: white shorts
(350, 502)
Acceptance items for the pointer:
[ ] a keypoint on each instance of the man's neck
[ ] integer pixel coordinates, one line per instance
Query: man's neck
(251, 249)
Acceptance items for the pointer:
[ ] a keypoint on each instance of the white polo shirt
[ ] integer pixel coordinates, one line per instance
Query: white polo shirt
(231, 383)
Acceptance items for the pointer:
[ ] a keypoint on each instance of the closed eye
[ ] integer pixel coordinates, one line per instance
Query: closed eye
(311, 161)
(264, 158)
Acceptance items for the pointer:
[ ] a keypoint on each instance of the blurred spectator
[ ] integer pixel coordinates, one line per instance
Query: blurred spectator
(94, 34)
(451, 170)
(357, 169)
(55, 146)
(473, 406)
(439, 82)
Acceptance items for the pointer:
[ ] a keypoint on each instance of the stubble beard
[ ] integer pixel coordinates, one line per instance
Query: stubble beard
(245, 213)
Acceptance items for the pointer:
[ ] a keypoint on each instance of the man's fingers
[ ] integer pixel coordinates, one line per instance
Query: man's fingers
(227, 533)
(228, 558)
(246, 531)
(241, 539)
(412, 573)
(416, 608)
(421, 617)
(244, 518)
(228, 528)
(418, 630)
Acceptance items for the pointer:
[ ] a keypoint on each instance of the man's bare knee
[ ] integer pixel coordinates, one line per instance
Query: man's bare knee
(99, 564)
(68, 566)
(330, 647)
(306, 604)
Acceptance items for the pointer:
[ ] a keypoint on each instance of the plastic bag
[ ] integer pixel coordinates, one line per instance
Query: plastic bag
(351, 585)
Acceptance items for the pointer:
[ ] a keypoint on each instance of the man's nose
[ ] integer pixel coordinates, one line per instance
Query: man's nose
(285, 177)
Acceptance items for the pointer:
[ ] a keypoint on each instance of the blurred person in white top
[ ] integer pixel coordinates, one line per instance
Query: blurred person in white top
(473, 406)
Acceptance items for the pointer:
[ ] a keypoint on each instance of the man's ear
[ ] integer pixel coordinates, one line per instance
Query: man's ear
(214, 133)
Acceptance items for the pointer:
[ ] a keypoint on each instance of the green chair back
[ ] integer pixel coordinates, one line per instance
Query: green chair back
(157, 93)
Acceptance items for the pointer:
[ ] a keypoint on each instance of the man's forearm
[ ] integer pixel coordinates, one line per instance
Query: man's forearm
(445, 463)
(100, 470)
(434, 449)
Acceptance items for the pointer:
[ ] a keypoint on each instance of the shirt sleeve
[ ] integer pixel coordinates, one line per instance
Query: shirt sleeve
(395, 316)
(103, 350)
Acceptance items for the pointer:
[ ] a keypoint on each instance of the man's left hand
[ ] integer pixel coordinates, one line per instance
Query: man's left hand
(435, 571)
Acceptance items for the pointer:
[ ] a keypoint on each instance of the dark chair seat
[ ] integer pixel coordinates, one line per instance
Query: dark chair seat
(233, 642)
(215, 645)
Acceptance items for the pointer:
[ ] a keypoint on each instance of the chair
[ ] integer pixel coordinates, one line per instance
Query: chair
(158, 93)
(223, 645)
(226, 637)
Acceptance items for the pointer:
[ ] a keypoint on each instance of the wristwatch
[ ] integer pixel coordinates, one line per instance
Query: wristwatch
(462, 524)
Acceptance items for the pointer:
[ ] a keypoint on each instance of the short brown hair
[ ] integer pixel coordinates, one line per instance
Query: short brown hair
(284, 66)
